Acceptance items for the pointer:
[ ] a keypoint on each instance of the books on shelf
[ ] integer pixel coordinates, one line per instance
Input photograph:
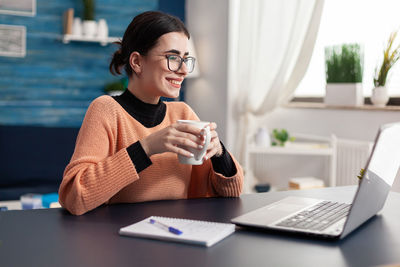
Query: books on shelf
(305, 183)
(68, 18)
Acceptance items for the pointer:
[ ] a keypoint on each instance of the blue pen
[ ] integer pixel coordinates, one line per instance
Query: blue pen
(166, 227)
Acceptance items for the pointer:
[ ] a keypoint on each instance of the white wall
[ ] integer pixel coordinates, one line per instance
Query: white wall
(207, 22)
(212, 96)
(348, 124)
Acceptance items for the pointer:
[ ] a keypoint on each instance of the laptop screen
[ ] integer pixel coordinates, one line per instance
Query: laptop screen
(385, 161)
(378, 179)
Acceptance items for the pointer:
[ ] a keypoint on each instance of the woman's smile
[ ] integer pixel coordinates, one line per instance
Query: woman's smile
(175, 82)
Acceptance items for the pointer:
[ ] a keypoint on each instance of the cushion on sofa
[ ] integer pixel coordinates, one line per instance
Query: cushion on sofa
(33, 158)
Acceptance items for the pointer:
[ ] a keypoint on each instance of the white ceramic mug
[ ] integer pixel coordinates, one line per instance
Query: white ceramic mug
(198, 153)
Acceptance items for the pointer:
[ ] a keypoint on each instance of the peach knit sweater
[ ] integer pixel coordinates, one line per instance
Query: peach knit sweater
(101, 171)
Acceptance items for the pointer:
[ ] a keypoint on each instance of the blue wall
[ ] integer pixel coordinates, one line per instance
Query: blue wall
(54, 84)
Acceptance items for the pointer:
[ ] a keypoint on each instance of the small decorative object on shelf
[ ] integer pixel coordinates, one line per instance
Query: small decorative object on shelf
(391, 55)
(280, 137)
(88, 30)
(77, 27)
(305, 183)
(89, 23)
(68, 18)
(102, 29)
(379, 96)
(262, 188)
(344, 74)
(262, 137)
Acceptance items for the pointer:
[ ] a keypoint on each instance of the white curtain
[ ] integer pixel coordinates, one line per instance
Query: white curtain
(273, 46)
(275, 41)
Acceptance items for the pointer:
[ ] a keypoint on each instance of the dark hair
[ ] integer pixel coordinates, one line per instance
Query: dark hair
(141, 35)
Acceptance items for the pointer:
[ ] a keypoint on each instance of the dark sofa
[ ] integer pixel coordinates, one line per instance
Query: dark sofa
(33, 159)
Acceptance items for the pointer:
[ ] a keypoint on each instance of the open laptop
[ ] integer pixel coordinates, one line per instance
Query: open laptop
(331, 219)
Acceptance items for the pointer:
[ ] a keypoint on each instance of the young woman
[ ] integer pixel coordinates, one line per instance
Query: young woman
(127, 147)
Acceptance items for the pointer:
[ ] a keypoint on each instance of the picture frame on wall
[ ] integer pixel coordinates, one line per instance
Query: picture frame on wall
(12, 40)
(18, 7)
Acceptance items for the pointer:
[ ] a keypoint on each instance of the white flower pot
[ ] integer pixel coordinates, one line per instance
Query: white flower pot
(89, 28)
(262, 137)
(102, 29)
(379, 96)
(77, 27)
(115, 93)
(344, 94)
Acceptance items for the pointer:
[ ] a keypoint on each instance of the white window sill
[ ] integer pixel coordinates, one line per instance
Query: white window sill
(310, 105)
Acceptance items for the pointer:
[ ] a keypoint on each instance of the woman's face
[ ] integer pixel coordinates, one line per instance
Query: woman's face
(155, 76)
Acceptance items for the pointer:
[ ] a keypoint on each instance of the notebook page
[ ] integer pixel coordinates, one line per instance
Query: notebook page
(193, 231)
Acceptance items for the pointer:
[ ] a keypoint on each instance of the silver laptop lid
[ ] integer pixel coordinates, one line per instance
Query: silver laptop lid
(380, 172)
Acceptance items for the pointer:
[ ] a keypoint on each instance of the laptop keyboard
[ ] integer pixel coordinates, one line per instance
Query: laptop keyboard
(318, 217)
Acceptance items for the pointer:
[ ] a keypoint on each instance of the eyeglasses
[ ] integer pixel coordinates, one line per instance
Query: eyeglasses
(175, 62)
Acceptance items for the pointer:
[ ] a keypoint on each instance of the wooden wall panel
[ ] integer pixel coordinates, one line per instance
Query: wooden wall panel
(54, 84)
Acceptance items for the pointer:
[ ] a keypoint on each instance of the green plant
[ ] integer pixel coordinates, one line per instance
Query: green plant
(119, 85)
(361, 174)
(88, 9)
(280, 137)
(390, 57)
(344, 63)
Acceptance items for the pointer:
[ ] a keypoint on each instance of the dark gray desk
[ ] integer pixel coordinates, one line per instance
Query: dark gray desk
(52, 237)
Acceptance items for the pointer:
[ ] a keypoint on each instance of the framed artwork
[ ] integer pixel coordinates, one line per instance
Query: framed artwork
(12, 40)
(18, 7)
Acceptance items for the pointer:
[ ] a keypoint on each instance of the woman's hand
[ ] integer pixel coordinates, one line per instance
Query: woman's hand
(175, 138)
(214, 148)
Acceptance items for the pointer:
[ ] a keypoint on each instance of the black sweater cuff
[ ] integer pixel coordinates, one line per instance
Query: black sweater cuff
(224, 164)
(138, 156)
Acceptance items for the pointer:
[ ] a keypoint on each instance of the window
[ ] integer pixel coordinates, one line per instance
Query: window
(358, 21)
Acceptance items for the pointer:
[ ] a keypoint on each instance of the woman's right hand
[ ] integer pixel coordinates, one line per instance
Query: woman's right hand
(175, 138)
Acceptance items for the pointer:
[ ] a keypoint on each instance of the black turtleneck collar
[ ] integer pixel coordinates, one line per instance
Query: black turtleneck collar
(149, 115)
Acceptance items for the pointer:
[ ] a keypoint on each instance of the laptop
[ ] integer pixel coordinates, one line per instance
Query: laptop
(333, 220)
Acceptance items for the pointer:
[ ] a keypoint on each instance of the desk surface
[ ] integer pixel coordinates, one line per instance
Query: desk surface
(52, 237)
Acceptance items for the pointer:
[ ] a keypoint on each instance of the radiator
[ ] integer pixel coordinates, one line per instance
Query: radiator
(351, 156)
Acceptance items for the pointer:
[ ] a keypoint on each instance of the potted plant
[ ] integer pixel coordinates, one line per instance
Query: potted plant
(89, 24)
(280, 137)
(344, 74)
(361, 175)
(380, 95)
(116, 88)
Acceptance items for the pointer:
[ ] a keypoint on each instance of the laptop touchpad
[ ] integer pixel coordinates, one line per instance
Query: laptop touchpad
(271, 213)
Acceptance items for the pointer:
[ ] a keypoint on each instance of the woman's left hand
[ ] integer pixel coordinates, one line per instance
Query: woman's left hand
(214, 148)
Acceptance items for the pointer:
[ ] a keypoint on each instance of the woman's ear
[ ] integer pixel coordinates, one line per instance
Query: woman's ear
(135, 61)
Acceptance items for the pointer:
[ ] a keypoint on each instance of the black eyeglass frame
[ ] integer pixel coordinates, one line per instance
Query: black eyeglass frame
(181, 62)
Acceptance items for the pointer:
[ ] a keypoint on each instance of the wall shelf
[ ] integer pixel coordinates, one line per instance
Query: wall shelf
(319, 146)
(66, 38)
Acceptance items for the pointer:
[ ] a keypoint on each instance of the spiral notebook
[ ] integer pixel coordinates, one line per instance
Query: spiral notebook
(189, 231)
